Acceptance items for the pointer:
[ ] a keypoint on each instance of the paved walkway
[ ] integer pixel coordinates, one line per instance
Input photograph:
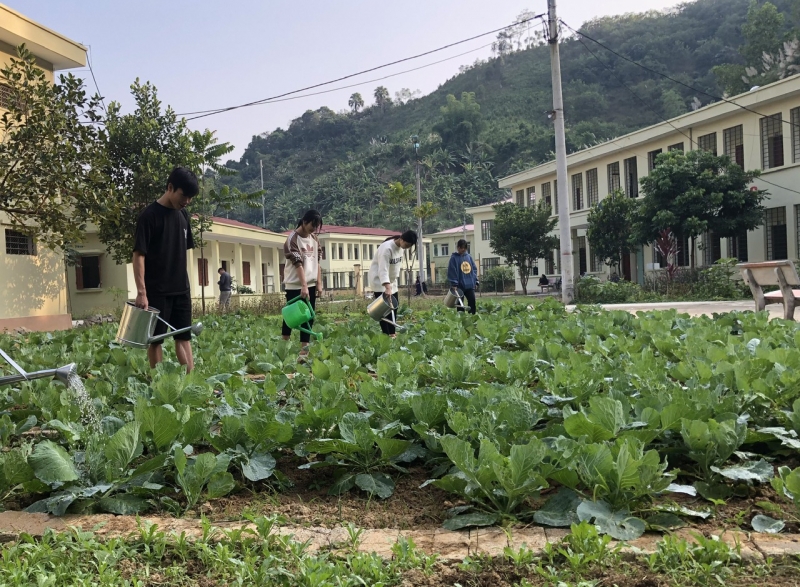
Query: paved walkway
(698, 308)
(449, 546)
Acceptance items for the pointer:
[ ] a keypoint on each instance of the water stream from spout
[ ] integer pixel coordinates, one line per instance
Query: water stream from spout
(88, 413)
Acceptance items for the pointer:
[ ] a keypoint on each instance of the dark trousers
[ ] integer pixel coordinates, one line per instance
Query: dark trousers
(470, 295)
(387, 328)
(312, 298)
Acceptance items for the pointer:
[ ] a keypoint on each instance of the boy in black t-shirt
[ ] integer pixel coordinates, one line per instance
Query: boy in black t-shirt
(163, 235)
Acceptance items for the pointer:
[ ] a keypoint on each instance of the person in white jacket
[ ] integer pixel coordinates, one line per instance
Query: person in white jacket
(385, 269)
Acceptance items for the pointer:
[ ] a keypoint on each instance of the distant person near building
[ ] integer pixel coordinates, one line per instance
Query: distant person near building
(462, 272)
(224, 284)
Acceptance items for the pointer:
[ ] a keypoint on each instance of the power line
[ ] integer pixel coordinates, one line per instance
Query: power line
(99, 93)
(651, 70)
(312, 87)
(377, 79)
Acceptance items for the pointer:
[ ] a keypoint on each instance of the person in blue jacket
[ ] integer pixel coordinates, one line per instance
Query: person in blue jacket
(462, 272)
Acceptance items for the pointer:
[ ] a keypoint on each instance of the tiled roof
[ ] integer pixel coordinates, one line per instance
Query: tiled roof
(456, 229)
(229, 222)
(357, 230)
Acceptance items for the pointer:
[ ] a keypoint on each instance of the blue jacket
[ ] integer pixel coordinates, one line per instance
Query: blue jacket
(456, 276)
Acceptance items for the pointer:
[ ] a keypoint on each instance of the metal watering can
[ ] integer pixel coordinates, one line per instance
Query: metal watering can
(453, 298)
(136, 327)
(381, 307)
(298, 312)
(62, 373)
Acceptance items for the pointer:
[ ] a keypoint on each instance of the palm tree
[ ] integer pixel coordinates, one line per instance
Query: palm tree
(382, 98)
(356, 102)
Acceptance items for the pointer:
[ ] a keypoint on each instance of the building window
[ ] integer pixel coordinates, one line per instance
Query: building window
(794, 117)
(547, 196)
(355, 252)
(613, 177)
(577, 191)
(371, 251)
(349, 251)
(333, 251)
(631, 178)
(592, 188)
(797, 227)
(486, 229)
(549, 264)
(651, 159)
(245, 273)
(733, 144)
(595, 263)
(737, 247)
(675, 147)
(87, 272)
(532, 196)
(581, 255)
(341, 251)
(708, 143)
(489, 263)
(555, 193)
(202, 272)
(772, 141)
(520, 197)
(436, 250)
(5, 96)
(225, 265)
(775, 233)
(445, 250)
(712, 251)
(19, 244)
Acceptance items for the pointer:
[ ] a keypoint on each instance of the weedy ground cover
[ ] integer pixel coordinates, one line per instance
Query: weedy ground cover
(522, 414)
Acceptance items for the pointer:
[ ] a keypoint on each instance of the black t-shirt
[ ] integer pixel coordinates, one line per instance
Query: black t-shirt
(163, 235)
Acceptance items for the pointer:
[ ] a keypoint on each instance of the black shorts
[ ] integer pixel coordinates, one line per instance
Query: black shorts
(177, 310)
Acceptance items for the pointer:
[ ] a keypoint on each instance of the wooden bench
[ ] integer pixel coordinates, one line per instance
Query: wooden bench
(780, 273)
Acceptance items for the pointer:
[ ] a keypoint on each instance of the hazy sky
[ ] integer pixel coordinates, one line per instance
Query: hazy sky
(205, 54)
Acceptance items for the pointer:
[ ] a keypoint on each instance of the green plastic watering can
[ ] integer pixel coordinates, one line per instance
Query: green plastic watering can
(298, 312)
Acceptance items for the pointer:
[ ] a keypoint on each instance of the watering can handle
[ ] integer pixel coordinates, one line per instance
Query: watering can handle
(301, 298)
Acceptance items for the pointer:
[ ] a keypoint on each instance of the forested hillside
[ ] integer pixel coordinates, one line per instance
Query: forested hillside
(491, 120)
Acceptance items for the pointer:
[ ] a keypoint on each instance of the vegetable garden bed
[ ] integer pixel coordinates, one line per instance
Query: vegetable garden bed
(519, 415)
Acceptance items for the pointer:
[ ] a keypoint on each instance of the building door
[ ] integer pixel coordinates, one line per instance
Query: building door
(626, 267)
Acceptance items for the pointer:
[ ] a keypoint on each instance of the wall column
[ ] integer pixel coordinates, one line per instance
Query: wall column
(237, 263)
(259, 282)
(276, 270)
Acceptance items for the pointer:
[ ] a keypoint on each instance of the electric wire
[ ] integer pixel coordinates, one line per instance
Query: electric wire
(377, 79)
(352, 75)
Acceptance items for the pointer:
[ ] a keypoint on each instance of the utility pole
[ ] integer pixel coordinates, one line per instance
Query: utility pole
(263, 208)
(565, 233)
(420, 244)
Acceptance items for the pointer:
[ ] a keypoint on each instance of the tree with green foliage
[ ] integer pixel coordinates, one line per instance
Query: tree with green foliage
(697, 192)
(461, 122)
(764, 34)
(213, 199)
(143, 148)
(610, 228)
(356, 102)
(52, 151)
(382, 99)
(521, 234)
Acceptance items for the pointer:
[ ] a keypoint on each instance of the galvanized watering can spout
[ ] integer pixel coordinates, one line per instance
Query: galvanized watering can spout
(137, 325)
(63, 374)
(194, 328)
